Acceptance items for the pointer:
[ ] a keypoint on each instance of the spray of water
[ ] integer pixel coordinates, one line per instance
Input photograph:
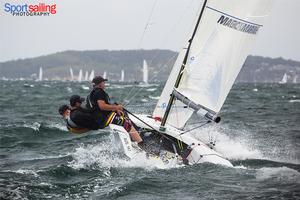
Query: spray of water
(104, 155)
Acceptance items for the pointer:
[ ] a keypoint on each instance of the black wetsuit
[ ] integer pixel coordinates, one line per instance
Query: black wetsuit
(105, 117)
(84, 118)
(91, 103)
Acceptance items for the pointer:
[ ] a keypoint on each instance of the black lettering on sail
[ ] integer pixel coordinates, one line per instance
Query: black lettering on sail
(238, 25)
(223, 20)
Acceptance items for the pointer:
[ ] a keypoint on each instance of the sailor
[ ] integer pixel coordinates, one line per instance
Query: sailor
(106, 112)
(81, 116)
(65, 110)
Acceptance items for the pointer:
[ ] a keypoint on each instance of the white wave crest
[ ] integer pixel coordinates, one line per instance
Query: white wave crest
(294, 101)
(154, 97)
(35, 126)
(241, 146)
(27, 171)
(284, 174)
(58, 126)
(232, 148)
(151, 89)
(104, 156)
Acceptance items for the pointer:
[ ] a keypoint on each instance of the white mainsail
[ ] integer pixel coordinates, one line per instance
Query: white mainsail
(40, 74)
(145, 72)
(122, 76)
(72, 74)
(295, 79)
(221, 43)
(92, 75)
(284, 79)
(104, 75)
(80, 75)
(86, 77)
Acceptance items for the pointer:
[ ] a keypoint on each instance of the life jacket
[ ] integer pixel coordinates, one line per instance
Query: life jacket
(91, 103)
(73, 128)
(124, 121)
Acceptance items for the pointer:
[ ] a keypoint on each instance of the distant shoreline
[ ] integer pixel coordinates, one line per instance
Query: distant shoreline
(57, 66)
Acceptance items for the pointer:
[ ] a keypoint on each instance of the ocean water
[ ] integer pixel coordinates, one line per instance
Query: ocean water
(39, 159)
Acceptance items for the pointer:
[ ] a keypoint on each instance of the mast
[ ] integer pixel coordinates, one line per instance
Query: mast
(164, 120)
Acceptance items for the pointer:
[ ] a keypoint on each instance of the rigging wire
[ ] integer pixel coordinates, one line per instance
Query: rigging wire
(164, 42)
(151, 127)
(141, 40)
(209, 134)
(207, 122)
(133, 93)
(147, 25)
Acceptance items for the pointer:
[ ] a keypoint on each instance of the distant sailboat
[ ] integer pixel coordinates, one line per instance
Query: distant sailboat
(284, 79)
(145, 72)
(122, 76)
(295, 79)
(72, 74)
(104, 75)
(40, 74)
(92, 75)
(80, 75)
(86, 77)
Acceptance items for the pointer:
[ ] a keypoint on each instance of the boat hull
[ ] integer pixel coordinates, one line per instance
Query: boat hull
(196, 152)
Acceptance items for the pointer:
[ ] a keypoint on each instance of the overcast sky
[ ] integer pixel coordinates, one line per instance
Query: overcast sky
(120, 24)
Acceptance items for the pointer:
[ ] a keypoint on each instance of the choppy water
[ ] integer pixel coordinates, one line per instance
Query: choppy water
(260, 134)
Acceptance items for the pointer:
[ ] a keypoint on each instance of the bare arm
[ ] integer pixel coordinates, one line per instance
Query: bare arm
(104, 106)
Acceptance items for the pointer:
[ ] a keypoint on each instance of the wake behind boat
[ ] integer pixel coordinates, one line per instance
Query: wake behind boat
(199, 83)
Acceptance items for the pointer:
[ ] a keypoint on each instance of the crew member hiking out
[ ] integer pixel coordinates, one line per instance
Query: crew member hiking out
(99, 102)
(81, 116)
(64, 111)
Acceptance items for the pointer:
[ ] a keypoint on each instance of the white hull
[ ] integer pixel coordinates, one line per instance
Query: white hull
(130, 149)
(199, 151)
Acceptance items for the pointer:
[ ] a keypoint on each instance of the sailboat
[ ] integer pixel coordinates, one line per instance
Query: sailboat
(104, 75)
(71, 74)
(40, 74)
(295, 79)
(284, 79)
(122, 76)
(86, 77)
(80, 75)
(145, 72)
(92, 75)
(199, 83)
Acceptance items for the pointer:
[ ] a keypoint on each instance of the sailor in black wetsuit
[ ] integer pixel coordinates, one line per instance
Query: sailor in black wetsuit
(105, 112)
(82, 117)
(64, 111)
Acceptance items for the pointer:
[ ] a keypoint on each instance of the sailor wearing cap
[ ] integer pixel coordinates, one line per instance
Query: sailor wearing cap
(106, 112)
(64, 111)
(81, 116)
(78, 119)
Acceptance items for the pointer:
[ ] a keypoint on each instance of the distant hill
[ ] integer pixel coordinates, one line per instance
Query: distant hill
(160, 62)
(262, 69)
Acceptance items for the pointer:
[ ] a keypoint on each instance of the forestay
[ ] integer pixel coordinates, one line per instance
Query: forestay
(222, 41)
